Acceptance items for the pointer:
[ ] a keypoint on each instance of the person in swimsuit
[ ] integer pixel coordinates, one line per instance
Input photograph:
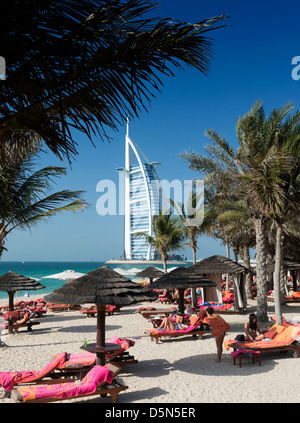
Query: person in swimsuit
(219, 327)
(252, 330)
(167, 324)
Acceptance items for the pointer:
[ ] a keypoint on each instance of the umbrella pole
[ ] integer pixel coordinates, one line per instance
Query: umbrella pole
(193, 297)
(100, 341)
(181, 300)
(10, 308)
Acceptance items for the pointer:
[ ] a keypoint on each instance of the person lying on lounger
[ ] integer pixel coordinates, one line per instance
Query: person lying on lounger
(167, 324)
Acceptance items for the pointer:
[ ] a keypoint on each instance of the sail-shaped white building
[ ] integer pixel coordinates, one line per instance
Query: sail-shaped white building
(142, 201)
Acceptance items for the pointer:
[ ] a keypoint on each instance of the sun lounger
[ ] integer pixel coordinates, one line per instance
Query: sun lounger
(19, 305)
(98, 381)
(165, 298)
(66, 366)
(293, 298)
(25, 322)
(285, 322)
(89, 311)
(10, 379)
(111, 309)
(283, 340)
(159, 312)
(63, 307)
(121, 356)
(219, 308)
(92, 311)
(40, 311)
(195, 328)
(82, 362)
(215, 306)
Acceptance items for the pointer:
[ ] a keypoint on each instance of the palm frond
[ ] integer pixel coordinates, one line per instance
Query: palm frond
(101, 60)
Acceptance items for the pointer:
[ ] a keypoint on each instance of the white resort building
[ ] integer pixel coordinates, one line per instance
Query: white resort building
(142, 201)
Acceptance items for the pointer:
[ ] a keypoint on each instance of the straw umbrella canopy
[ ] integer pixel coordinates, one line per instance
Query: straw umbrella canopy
(150, 272)
(217, 265)
(182, 278)
(12, 282)
(102, 286)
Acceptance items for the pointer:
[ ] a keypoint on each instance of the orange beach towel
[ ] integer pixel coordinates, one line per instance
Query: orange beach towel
(284, 337)
(218, 324)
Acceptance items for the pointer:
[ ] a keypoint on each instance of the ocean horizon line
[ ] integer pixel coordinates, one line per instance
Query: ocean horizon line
(50, 261)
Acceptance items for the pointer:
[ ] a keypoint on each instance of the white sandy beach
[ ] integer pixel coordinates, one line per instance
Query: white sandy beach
(180, 370)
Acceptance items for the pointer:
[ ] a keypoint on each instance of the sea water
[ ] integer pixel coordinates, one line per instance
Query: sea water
(40, 269)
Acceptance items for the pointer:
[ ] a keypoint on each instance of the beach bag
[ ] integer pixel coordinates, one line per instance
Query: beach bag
(240, 338)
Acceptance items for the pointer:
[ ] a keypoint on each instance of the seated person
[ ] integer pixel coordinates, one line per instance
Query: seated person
(252, 330)
(171, 297)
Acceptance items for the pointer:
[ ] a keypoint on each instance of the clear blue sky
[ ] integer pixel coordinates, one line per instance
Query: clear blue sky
(252, 61)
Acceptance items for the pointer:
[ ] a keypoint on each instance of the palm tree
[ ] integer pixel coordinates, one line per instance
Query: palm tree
(256, 171)
(24, 202)
(87, 65)
(191, 216)
(234, 218)
(168, 235)
(269, 144)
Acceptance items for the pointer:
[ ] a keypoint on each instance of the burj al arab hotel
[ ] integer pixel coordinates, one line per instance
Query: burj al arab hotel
(142, 201)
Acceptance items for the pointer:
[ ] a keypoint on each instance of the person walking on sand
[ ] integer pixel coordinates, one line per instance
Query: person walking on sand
(219, 327)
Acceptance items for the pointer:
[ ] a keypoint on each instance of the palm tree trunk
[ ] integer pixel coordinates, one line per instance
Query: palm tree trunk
(261, 271)
(194, 254)
(227, 249)
(277, 272)
(2, 241)
(249, 277)
(10, 308)
(165, 258)
(193, 290)
(235, 252)
(228, 256)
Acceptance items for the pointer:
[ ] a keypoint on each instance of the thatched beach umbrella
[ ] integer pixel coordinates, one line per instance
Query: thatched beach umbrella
(102, 286)
(12, 282)
(151, 273)
(181, 278)
(218, 265)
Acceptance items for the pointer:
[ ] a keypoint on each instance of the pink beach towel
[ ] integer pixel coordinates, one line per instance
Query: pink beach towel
(83, 359)
(9, 379)
(124, 345)
(88, 359)
(87, 385)
(242, 351)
